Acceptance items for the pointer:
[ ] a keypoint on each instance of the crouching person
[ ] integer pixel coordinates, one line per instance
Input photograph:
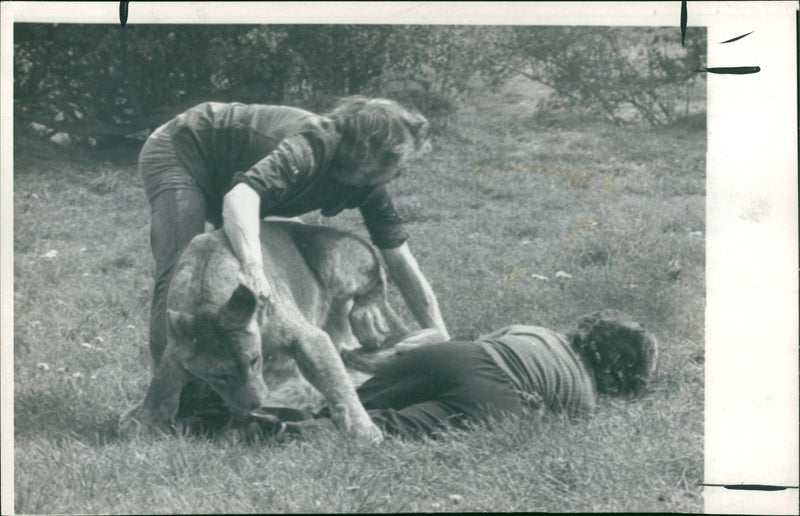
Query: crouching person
(513, 370)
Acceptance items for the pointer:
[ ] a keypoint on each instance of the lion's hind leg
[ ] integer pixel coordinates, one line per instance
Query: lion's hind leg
(363, 318)
(337, 325)
(373, 320)
(349, 271)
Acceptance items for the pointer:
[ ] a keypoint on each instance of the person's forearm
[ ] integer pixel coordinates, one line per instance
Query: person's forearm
(415, 289)
(242, 225)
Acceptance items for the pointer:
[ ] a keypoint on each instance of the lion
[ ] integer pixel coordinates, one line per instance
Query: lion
(329, 296)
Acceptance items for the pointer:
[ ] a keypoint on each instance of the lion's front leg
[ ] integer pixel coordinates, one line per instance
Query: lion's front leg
(157, 411)
(322, 366)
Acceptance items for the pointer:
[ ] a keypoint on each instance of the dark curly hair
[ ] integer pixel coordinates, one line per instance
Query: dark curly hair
(622, 353)
(377, 134)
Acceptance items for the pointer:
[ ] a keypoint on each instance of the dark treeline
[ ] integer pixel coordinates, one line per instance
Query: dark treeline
(106, 82)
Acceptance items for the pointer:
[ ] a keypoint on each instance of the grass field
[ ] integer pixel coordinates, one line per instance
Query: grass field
(507, 198)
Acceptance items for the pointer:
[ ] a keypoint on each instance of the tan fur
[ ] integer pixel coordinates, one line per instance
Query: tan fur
(328, 295)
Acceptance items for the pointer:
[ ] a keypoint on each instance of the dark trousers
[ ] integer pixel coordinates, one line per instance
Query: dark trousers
(178, 212)
(432, 387)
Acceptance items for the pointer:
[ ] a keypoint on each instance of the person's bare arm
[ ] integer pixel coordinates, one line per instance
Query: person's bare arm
(242, 225)
(416, 291)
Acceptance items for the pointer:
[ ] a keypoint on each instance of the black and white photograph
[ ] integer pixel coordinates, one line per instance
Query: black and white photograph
(394, 257)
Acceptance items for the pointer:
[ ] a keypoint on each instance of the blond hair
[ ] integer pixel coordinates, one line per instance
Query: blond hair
(376, 134)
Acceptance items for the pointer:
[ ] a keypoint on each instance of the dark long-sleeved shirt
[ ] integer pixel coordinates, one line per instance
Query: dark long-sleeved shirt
(285, 155)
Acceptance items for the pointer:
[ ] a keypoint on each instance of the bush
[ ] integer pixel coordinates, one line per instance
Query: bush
(102, 81)
(624, 74)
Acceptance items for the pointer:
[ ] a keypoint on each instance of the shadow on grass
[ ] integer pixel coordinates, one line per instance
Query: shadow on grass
(42, 414)
(39, 414)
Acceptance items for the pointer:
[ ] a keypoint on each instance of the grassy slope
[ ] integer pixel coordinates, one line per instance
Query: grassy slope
(504, 196)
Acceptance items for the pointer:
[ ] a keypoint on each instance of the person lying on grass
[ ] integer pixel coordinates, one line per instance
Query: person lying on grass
(518, 370)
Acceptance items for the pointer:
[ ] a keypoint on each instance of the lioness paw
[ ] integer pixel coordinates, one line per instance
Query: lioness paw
(368, 434)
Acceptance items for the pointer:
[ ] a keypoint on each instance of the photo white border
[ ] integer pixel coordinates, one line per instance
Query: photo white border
(751, 393)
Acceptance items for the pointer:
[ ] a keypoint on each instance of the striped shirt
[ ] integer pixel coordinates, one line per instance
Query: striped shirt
(543, 368)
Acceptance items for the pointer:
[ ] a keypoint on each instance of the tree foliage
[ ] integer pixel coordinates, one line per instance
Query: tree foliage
(102, 80)
(604, 70)
(107, 81)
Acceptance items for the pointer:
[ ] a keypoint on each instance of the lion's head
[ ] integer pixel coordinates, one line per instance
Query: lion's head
(223, 347)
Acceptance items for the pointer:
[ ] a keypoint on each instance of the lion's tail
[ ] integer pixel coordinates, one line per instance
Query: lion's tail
(366, 360)
(369, 360)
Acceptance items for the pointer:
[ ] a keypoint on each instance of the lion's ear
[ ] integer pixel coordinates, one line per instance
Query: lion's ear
(420, 126)
(239, 309)
(180, 322)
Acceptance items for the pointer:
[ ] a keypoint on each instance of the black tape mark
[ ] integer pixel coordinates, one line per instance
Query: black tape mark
(755, 487)
(737, 38)
(684, 20)
(733, 70)
(750, 487)
(123, 13)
